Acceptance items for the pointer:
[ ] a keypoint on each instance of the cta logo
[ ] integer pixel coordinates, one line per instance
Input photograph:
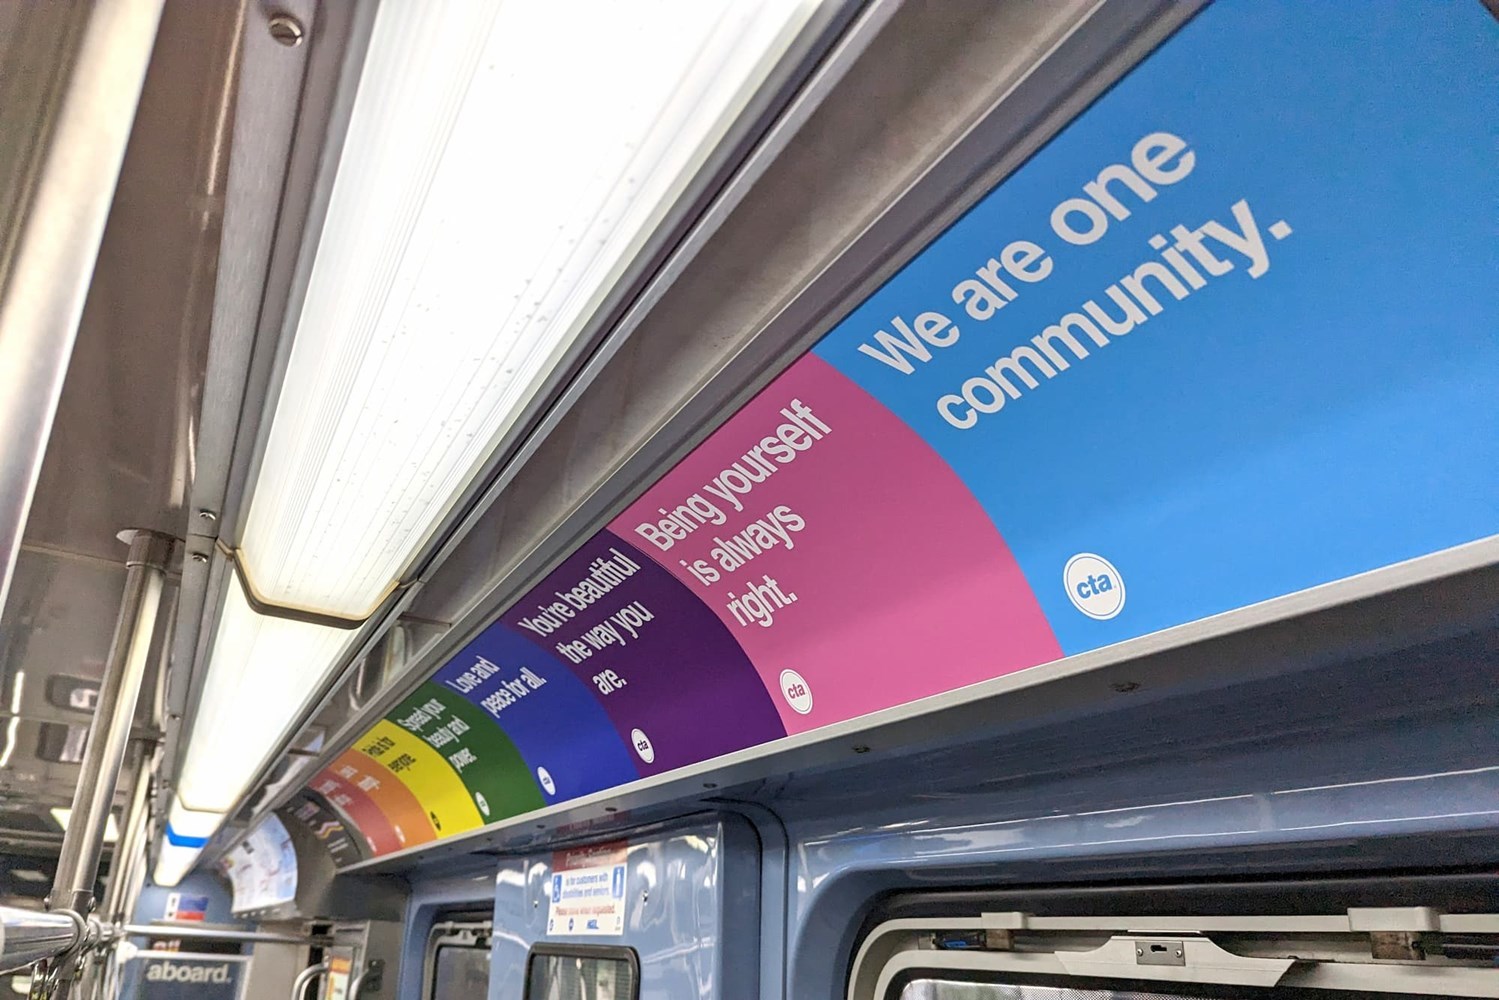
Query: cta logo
(796, 691)
(181, 972)
(1094, 586)
(642, 744)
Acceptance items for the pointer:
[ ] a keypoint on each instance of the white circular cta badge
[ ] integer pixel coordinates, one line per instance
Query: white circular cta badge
(796, 691)
(1094, 586)
(642, 745)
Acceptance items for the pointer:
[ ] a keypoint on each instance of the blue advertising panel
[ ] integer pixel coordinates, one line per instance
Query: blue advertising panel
(1235, 331)
(561, 731)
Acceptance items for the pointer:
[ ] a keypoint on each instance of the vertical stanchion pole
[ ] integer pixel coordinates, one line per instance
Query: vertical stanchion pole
(132, 829)
(124, 871)
(109, 733)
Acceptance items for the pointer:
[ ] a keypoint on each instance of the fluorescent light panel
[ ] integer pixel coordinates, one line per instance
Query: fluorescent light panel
(187, 831)
(261, 671)
(504, 163)
(173, 863)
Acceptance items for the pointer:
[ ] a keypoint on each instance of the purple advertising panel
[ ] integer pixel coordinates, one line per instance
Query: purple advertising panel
(675, 684)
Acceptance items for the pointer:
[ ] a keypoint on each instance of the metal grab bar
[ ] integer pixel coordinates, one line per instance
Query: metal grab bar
(374, 972)
(196, 932)
(28, 936)
(307, 975)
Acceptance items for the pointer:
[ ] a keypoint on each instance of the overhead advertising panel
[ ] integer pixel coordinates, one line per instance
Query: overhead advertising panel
(310, 810)
(262, 868)
(1229, 336)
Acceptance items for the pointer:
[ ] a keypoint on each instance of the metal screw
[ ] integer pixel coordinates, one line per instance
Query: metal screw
(199, 557)
(207, 515)
(286, 29)
(1178, 953)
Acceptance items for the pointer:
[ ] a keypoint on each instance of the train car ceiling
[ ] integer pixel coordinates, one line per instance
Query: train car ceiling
(488, 196)
(888, 498)
(459, 740)
(843, 150)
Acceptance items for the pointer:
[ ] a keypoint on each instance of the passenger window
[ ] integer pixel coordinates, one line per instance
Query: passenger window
(933, 985)
(582, 972)
(944, 989)
(462, 973)
(458, 959)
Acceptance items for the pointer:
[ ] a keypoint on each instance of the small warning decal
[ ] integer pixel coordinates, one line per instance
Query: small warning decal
(588, 890)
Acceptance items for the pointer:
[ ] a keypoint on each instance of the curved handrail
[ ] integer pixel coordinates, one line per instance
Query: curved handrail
(307, 975)
(374, 969)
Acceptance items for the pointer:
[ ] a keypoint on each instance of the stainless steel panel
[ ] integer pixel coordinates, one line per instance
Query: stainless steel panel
(120, 452)
(63, 177)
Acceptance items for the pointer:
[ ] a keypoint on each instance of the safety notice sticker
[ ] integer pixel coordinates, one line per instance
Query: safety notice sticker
(588, 890)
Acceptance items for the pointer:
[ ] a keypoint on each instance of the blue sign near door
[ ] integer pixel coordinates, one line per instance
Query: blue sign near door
(178, 976)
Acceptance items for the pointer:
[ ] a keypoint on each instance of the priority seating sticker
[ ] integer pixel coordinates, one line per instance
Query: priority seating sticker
(586, 895)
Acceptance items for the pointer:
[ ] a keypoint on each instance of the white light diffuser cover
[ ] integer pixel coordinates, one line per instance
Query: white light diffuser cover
(261, 671)
(503, 162)
(189, 829)
(173, 863)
